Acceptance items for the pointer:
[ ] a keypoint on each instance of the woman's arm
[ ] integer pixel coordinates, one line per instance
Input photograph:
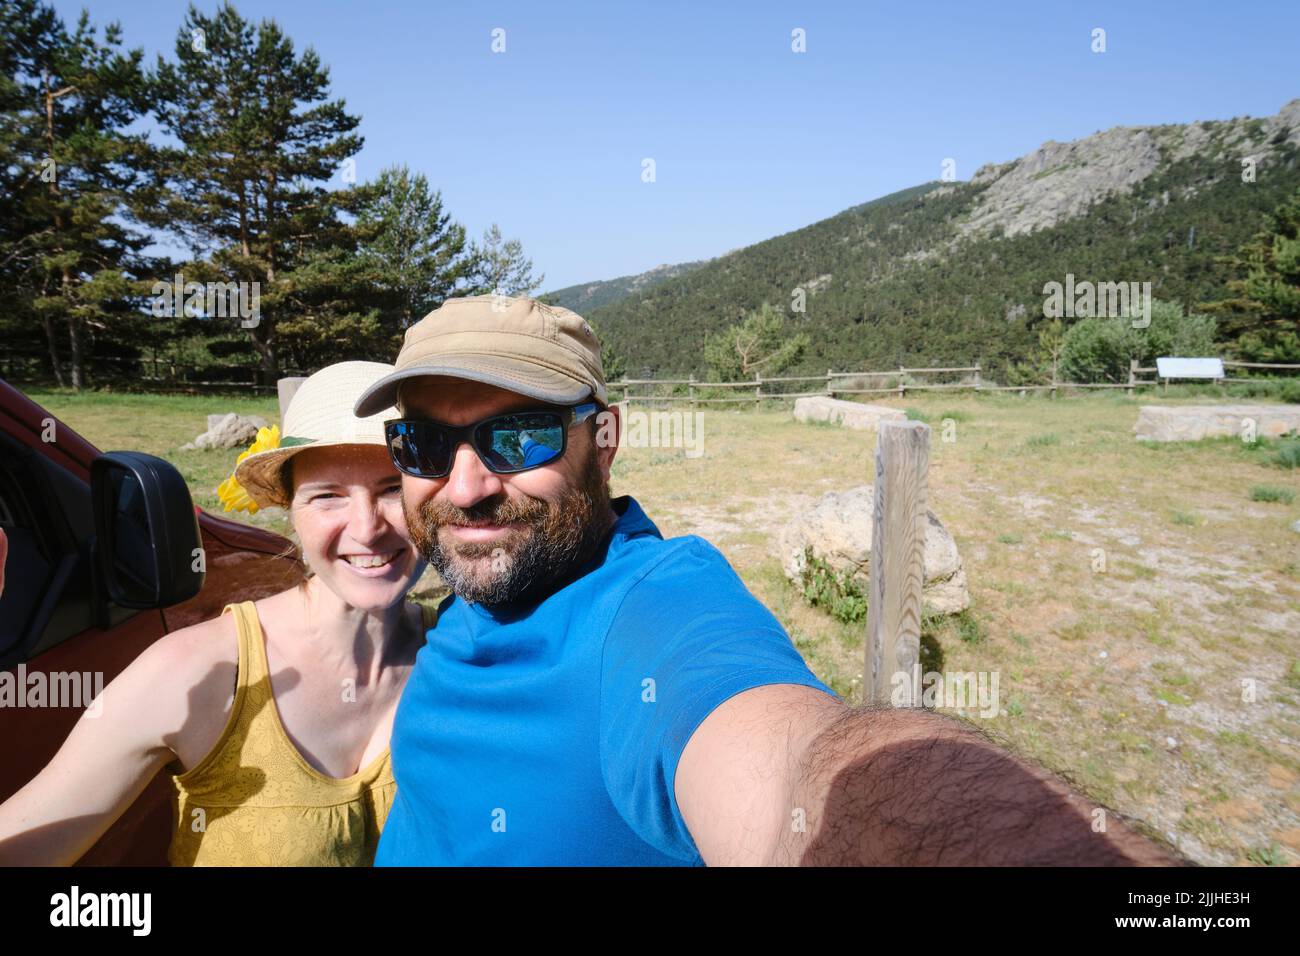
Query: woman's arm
(172, 700)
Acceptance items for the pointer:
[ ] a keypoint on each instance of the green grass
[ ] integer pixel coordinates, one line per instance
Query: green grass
(1183, 518)
(1272, 493)
(1287, 454)
(1293, 675)
(1270, 855)
(160, 425)
(1043, 441)
(1172, 697)
(968, 627)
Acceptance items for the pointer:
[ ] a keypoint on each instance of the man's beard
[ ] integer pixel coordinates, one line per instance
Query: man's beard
(549, 542)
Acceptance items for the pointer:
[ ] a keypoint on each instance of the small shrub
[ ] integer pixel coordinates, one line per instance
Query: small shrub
(1098, 349)
(1287, 454)
(1184, 518)
(957, 416)
(1293, 675)
(1042, 441)
(1272, 493)
(1009, 539)
(968, 627)
(837, 592)
(1270, 855)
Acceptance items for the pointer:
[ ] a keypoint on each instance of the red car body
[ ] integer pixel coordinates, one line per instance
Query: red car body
(243, 563)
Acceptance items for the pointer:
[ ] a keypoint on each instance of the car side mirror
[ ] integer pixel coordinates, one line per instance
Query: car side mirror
(148, 548)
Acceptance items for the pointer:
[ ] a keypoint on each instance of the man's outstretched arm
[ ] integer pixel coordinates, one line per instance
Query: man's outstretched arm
(787, 775)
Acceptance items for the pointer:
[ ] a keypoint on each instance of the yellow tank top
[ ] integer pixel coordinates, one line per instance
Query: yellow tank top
(254, 800)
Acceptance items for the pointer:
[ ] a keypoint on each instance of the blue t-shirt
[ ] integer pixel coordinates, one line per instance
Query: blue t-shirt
(535, 453)
(550, 734)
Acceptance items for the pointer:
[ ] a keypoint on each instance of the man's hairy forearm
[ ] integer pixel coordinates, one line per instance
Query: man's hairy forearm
(912, 788)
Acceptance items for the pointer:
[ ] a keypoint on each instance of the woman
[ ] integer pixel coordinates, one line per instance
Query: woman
(273, 718)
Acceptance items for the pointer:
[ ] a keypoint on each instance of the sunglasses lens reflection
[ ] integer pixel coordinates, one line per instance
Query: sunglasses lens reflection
(519, 442)
(505, 444)
(419, 449)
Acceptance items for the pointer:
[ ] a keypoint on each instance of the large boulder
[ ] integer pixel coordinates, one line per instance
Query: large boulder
(228, 431)
(837, 529)
(1194, 422)
(823, 408)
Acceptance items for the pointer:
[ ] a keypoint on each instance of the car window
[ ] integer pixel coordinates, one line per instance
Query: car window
(46, 513)
(27, 572)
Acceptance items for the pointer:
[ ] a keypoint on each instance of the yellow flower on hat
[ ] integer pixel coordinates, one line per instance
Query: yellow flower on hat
(231, 492)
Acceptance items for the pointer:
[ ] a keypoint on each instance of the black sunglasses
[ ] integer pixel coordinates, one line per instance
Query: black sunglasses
(506, 444)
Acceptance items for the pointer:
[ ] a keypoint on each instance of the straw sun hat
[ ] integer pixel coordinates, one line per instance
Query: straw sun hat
(319, 414)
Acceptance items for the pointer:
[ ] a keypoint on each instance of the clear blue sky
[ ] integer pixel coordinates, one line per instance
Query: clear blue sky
(750, 139)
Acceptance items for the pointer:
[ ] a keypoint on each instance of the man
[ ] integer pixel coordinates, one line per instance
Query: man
(594, 694)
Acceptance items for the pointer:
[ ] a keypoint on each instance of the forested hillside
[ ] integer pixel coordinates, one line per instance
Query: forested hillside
(587, 296)
(932, 275)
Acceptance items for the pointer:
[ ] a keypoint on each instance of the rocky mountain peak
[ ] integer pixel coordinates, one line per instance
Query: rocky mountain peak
(1059, 181)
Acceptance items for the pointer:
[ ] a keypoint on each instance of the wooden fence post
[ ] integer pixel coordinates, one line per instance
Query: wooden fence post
(286, 388)
(829, 373)
(1132, 375)
(758, 387)
(902, 389)
(691, 389)
(897, 561)
(977, 378)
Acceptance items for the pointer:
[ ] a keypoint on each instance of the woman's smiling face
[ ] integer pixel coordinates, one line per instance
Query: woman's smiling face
(347, 511)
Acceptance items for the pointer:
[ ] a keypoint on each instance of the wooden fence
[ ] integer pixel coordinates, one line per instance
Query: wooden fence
(158, 374)
(843, 383)
(833, 383)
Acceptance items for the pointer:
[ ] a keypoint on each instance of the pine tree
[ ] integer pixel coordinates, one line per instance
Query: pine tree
(1051, 339)
(417, 254)
(762, 343)
(1263, 313)
(260, 142)
(72, 175)
(503, 267)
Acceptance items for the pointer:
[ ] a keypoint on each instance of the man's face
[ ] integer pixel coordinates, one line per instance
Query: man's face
(496, 539)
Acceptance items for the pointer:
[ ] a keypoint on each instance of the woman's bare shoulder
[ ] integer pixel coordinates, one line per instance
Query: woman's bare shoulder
(194, 650)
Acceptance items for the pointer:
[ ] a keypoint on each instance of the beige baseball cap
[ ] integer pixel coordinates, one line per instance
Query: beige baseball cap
(516, 343)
